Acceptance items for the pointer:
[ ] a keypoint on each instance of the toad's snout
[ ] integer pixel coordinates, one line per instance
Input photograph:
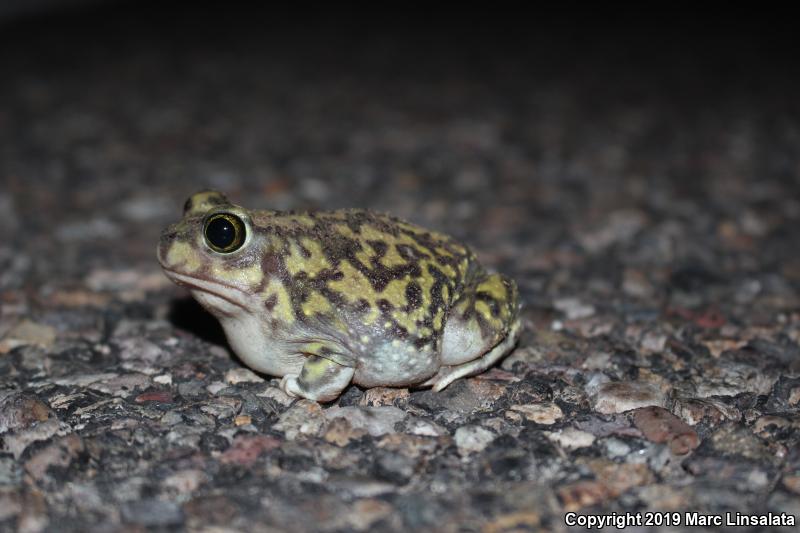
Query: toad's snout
(165, 243)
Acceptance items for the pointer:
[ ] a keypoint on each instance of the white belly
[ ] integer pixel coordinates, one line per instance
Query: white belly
(396, 364)
(250, 339)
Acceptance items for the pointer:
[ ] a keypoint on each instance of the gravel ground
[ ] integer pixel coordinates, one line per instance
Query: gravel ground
(640, 183)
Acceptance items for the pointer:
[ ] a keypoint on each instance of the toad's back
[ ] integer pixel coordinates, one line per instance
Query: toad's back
(383, 276)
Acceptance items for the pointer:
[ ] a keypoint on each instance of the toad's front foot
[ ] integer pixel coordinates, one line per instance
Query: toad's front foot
(321, 380)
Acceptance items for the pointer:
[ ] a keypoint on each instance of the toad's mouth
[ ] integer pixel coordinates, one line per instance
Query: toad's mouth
(212, 290)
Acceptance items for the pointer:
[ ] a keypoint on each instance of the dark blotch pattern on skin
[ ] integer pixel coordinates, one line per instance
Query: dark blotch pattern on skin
(413, 296)
(339, 248)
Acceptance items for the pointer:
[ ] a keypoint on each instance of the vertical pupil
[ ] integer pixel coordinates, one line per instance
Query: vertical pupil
(220, 232)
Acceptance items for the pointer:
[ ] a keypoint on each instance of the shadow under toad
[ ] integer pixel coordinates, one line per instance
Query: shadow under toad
(188, 315)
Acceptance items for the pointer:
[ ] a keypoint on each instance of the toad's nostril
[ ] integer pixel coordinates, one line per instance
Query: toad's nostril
(167, 237)
(164, 244)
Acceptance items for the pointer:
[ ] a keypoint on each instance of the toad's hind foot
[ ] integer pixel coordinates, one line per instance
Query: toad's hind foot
(321, 380)
(449, 374)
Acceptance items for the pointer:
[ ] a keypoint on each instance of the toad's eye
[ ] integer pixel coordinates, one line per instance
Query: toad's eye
(224, 232)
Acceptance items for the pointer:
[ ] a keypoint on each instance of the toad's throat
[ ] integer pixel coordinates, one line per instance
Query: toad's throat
(228, 293)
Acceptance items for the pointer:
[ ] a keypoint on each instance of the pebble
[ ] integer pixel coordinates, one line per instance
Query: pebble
(215, 386)
(574, 308)
(718, 346)
(619, 226)
(792, 483)
(191, 389)
(588, 328)
(24, 419)
(84, 379)
(79, 298)
(126, 282)
(214, 512)
(740, 476)
(597, 361)
(33, 518)
(472, 439)
(154, 396)
(571, 438)
(516, 521)
(362, 487)
(275, 393)
(411, 445)
(26, 333)
(238, 375)
(376, 421)
(22, 411)
(730, 379)
(636, 284)
(616, 448)
(604, 426)
(10, 471)
(794, 397)
(242, 420)
(653, 342)
(171, 418)
(777, 428)
(152, 513)
(379, 396)
(340, 432)
(708, 410)
(122, 385)
(394, 467)
(10, 503)
(456, 403)
(366, 512)
(736, 440)
(489, 387)
(659, 425)
(618, 397)
(60, 452)
(246, 449)
(665, 497)
(542, 413)
(611, 480)
(222, 406)
(141, 349)
(163, 379)
(423, 427)
(185, 481)
(304, 418)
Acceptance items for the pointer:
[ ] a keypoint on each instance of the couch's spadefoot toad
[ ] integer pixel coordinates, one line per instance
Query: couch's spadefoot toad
(323, 299)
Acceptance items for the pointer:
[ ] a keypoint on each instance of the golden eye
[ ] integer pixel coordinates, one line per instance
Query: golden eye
(224, 232)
